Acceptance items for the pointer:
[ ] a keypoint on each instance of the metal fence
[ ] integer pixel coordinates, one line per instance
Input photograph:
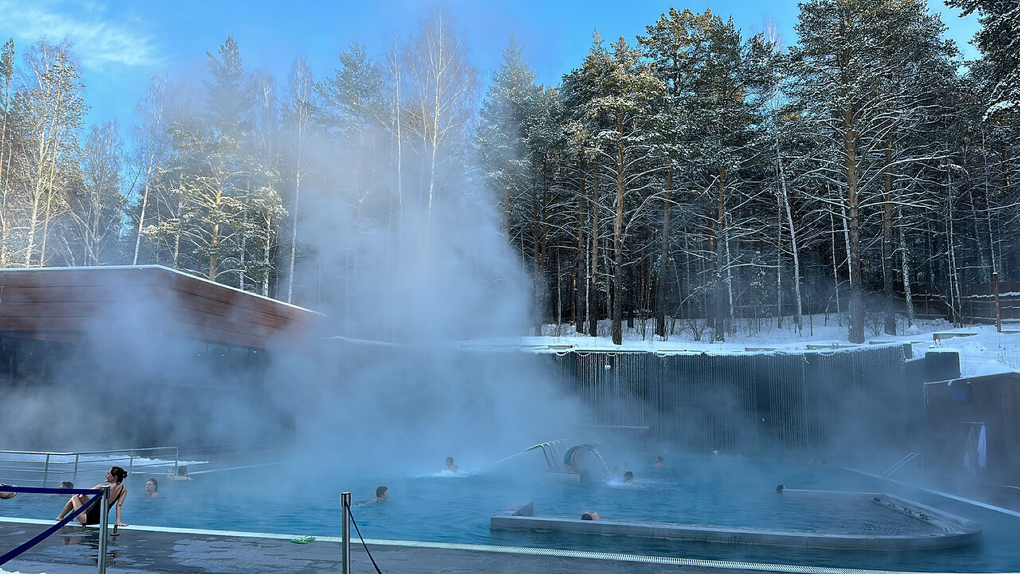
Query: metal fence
(41, 468)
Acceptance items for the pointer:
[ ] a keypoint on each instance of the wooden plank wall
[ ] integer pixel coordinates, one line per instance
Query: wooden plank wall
(67, 301)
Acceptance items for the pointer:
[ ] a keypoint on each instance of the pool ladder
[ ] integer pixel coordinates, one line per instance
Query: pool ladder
(904, 462)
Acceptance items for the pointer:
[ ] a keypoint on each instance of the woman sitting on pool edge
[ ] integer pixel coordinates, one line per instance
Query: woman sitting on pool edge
(118, 492)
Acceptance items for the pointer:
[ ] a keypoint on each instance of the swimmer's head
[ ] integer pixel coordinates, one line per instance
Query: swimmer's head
(586, 516)
(382, 492)
(628, 476)
(449, 460)
(67, 484)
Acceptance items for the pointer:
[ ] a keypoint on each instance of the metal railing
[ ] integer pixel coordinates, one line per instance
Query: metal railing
(40, 467)
(904, 462)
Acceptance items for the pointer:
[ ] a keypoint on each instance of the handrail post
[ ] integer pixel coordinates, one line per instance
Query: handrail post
(345, 533)
(46, 471)
(104, 518)
(76, 457)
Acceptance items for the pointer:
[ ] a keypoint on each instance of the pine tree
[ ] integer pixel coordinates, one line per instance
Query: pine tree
(615, 95)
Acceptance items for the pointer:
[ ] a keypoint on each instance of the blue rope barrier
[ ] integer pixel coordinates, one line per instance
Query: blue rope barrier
(46, 533)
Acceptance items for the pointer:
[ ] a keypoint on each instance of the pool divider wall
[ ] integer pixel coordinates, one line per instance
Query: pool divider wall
(946, 530)
(752, 402)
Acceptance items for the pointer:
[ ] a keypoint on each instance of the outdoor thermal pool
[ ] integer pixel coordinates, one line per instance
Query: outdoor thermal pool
(445, 507)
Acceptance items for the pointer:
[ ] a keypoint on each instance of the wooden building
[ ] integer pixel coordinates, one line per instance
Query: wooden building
(162, 353)
(64, 304)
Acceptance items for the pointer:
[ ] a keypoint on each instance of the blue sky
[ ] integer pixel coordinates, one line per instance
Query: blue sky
(122, 42)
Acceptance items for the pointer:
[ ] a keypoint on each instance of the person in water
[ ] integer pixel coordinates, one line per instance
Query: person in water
(118, 492)
(590, 516)
(628, 477)
(7, 495)
(182, 474)
(658, 461)
(449, 464)
(151, 488)
(382, 494)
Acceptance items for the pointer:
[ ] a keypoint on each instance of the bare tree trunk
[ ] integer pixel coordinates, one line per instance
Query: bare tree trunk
(244, 251)
(853, 204)
(888, 252)
(729, 277)
(779, 264)
(793, 243)
(581, 266)
(660, 286)
(956, 299)
(49, 194)
(593, 322)
(905, 270)
(835, 268)
(294, 227)
(618, 242)
(719, 311)
(141, 215)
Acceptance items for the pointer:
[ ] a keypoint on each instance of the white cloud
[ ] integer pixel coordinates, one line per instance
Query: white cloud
(99, 40)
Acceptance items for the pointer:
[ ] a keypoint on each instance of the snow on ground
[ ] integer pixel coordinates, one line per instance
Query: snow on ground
(983, 351)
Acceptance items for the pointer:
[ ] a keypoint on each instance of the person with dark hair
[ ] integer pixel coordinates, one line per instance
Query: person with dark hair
(382, 494)
(7, 495)
(151, 488)
(67, 484)
(118, 492)
(590, 516)
(628, 477)
(182, 474)
(658, 461)
(449, 464)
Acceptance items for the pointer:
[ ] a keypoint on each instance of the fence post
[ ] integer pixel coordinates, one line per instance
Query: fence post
(104, 518)
(345, 533)
(46, 471)
(76, 456)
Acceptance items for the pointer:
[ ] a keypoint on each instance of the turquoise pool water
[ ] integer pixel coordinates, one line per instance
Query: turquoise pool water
(441, 507)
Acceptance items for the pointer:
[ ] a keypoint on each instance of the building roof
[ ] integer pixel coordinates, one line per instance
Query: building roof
(69, 303)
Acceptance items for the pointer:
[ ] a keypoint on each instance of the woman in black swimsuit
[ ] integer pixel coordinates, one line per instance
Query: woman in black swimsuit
(118, 492)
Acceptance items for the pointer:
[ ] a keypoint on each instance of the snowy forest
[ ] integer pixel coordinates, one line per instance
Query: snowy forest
(693, 176)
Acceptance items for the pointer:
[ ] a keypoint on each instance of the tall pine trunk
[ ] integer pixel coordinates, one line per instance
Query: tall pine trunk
(888, 252)
(660, 284)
